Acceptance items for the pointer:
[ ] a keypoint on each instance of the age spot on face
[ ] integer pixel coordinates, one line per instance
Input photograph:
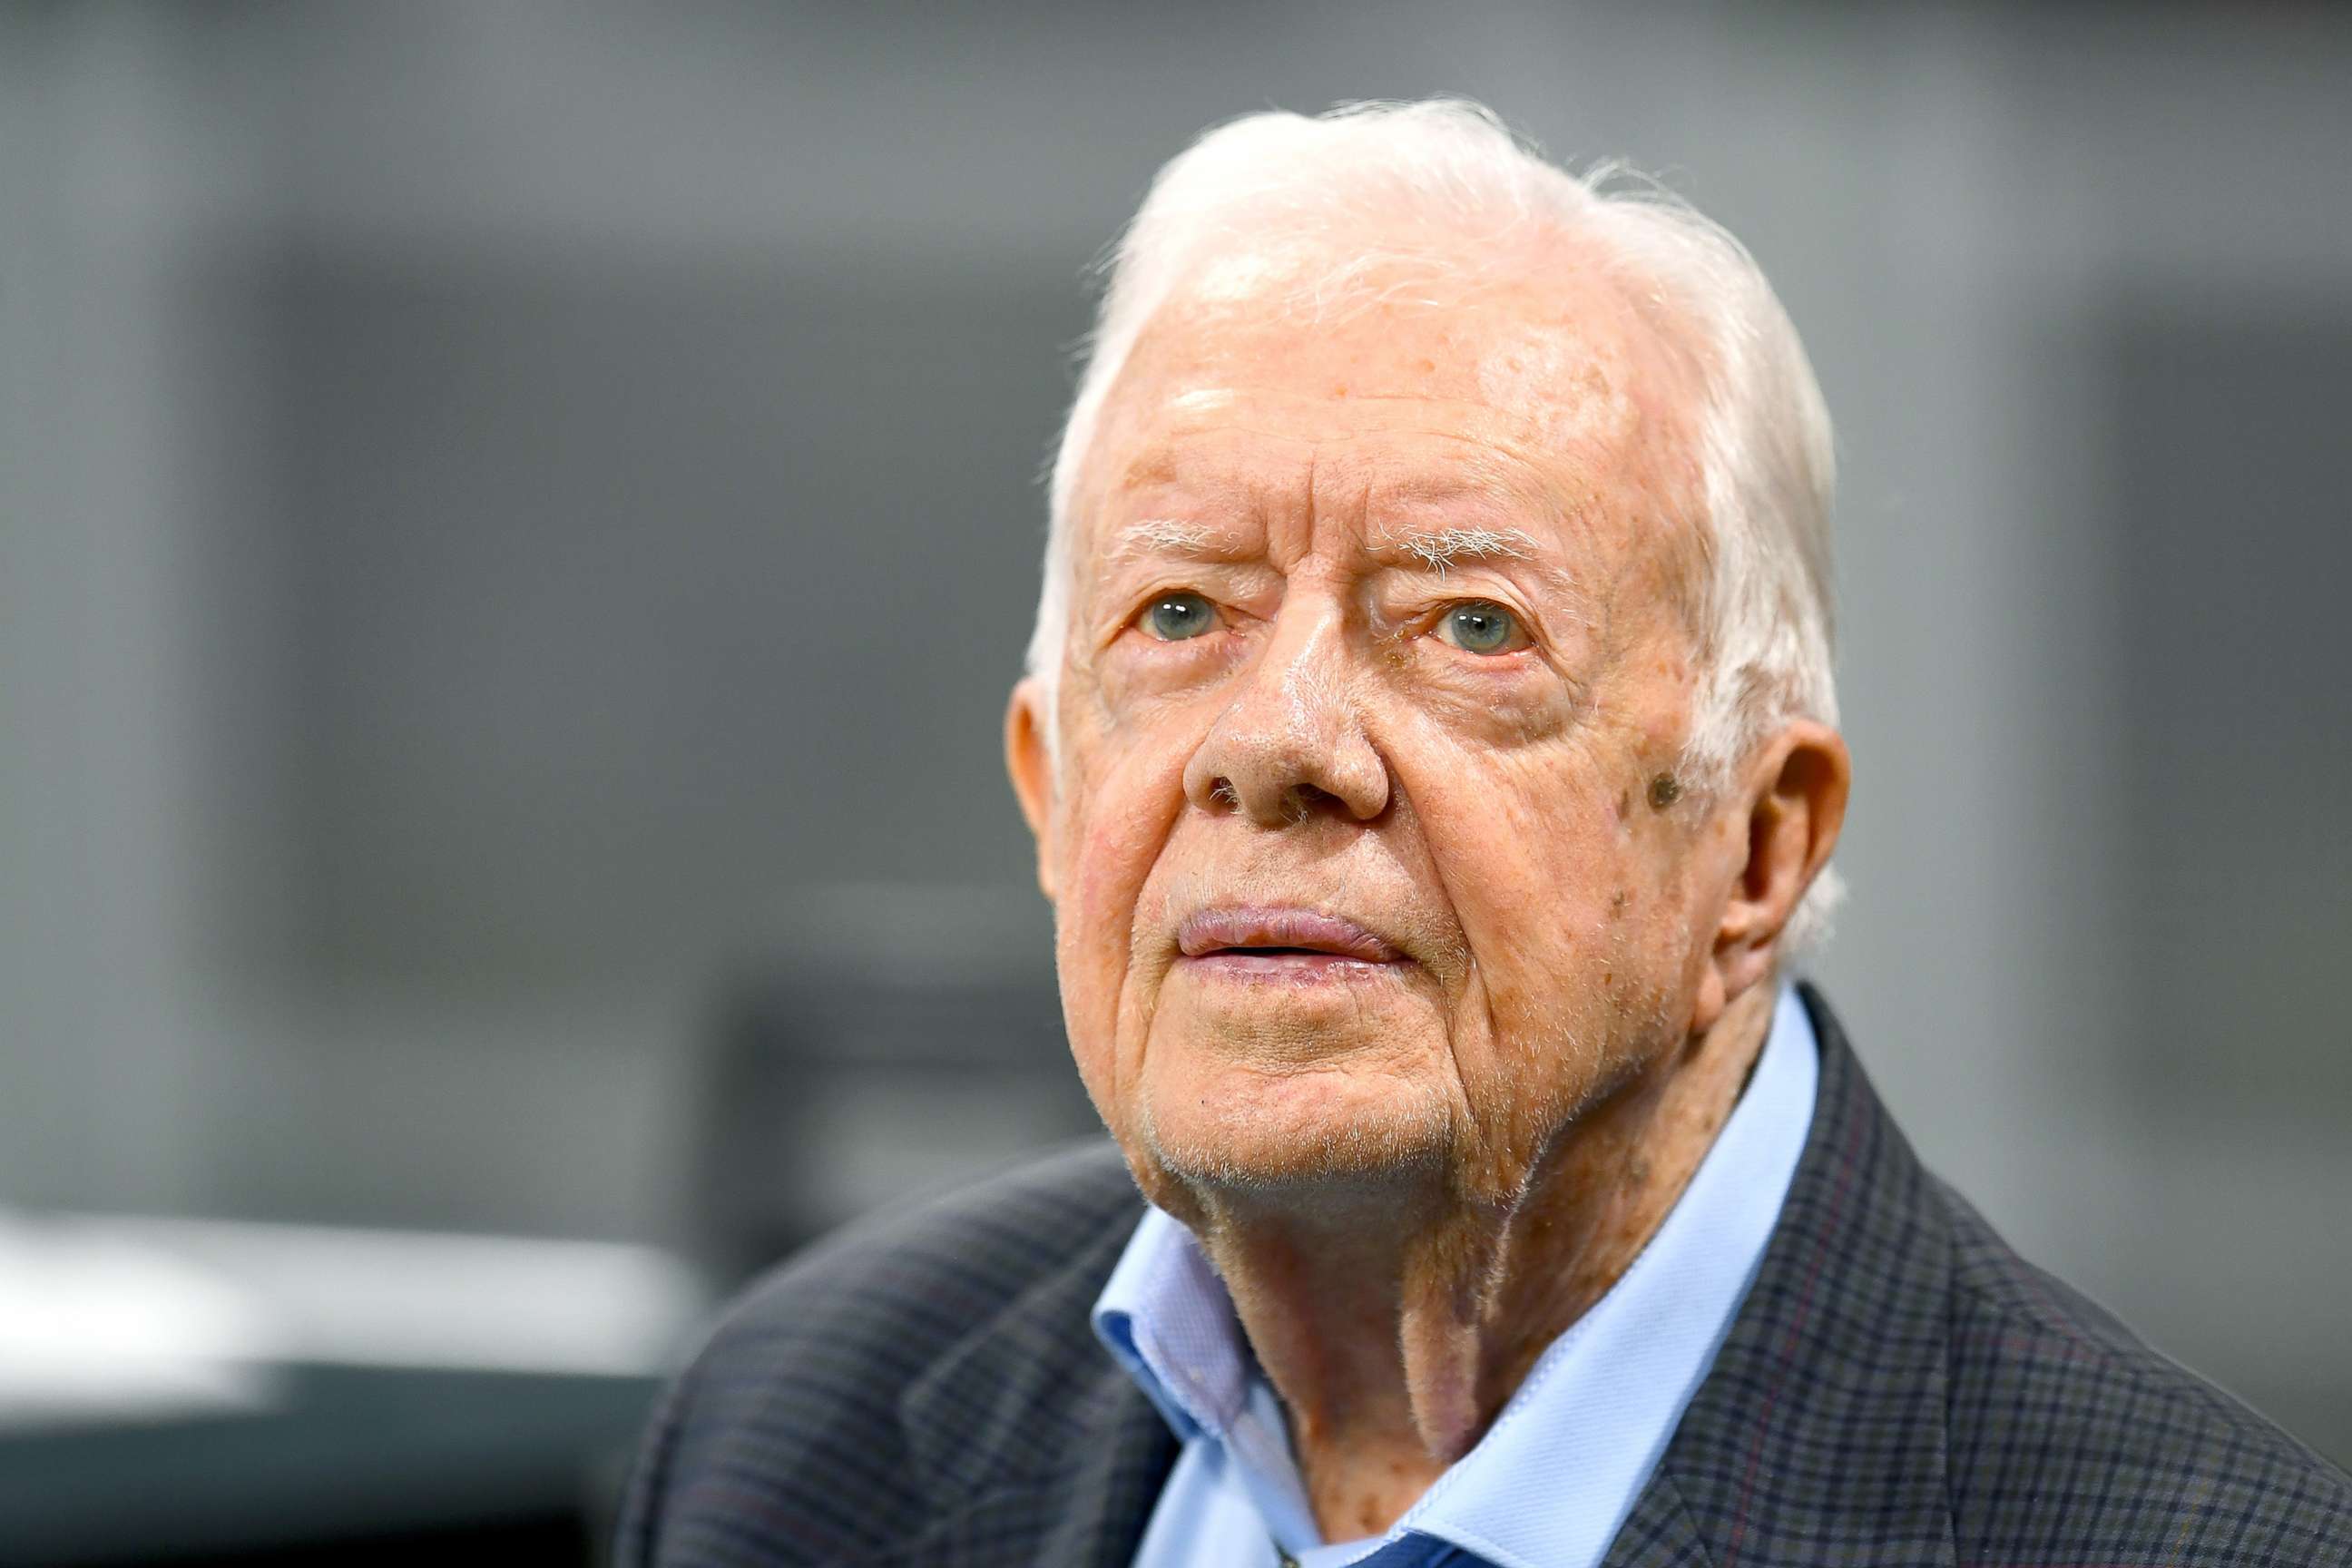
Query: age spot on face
(1664, 792)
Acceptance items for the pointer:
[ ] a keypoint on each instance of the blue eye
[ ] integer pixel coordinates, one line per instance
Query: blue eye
(1482, 627)
(1176, 616)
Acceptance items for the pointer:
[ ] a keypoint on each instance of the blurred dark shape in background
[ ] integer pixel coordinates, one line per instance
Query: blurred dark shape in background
(901, 1042)
(517, 522)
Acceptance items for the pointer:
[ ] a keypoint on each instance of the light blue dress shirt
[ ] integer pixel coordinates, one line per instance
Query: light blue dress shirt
(1552, 1480)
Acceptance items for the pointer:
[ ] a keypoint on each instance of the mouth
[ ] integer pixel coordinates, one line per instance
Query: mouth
(1281, 944)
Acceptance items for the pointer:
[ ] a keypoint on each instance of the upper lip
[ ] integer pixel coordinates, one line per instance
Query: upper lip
(1266, 926)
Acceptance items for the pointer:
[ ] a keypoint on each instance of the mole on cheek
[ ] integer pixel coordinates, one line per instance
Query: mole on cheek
(1664, 792)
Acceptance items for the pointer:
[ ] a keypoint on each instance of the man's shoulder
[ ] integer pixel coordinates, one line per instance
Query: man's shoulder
(923, 1269)
(1901, 1384)
(2070, 1434)
(797, 1394)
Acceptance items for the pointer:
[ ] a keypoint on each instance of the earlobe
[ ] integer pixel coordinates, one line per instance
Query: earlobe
(1031, 765)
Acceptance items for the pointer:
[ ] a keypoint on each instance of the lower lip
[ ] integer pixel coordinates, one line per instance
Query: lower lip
(1288, 968)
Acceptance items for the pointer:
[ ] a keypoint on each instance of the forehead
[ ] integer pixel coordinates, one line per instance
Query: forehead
(1558, 389)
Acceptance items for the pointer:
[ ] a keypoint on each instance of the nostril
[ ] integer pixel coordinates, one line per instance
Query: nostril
(1223, 791)
(1304, 800)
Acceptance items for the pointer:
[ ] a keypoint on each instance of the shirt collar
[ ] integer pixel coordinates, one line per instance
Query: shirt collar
(1168, 1319)
(1555, 1476)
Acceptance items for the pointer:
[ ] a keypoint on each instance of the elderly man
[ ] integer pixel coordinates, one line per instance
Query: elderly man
(1431, 747)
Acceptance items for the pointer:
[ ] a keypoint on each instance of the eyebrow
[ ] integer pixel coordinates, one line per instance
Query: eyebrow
(1171, 536)
(1438, 549)
(1434, 550)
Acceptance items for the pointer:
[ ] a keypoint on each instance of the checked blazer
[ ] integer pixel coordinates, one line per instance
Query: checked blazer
(1898, 1388)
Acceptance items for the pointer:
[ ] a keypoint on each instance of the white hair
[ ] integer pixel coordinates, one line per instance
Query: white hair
(1294, 197)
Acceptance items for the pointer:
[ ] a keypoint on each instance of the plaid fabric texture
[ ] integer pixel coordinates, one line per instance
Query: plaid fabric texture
(1898, 1388)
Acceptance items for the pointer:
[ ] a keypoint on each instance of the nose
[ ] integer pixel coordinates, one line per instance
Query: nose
(1292, 741)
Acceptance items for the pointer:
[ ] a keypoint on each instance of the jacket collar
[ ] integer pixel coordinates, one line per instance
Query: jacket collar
(1818, 1434)
(1034, 1445)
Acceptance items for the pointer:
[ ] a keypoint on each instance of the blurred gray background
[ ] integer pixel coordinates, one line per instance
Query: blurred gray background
(518, 521)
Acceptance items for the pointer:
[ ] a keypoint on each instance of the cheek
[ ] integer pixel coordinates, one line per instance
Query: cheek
(1122, 792)
(1547, 880)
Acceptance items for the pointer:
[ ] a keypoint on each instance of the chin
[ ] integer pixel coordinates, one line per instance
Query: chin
(1247, 1130)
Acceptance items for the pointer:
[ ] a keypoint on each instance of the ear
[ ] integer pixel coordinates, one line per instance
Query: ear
(1794, 803)
(1032, 767)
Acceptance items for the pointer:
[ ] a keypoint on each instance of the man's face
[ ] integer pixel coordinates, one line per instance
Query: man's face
(1364, 835)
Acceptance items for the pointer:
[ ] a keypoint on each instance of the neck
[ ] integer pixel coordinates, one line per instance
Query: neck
(1448, 1303)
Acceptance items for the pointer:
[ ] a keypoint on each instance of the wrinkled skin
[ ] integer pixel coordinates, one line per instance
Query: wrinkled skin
(1479, 1132)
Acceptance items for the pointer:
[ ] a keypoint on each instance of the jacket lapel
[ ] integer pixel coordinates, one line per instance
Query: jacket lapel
(1819, 1434)
(1034, 1445)
(1660, 1532)
(1088, 1513)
